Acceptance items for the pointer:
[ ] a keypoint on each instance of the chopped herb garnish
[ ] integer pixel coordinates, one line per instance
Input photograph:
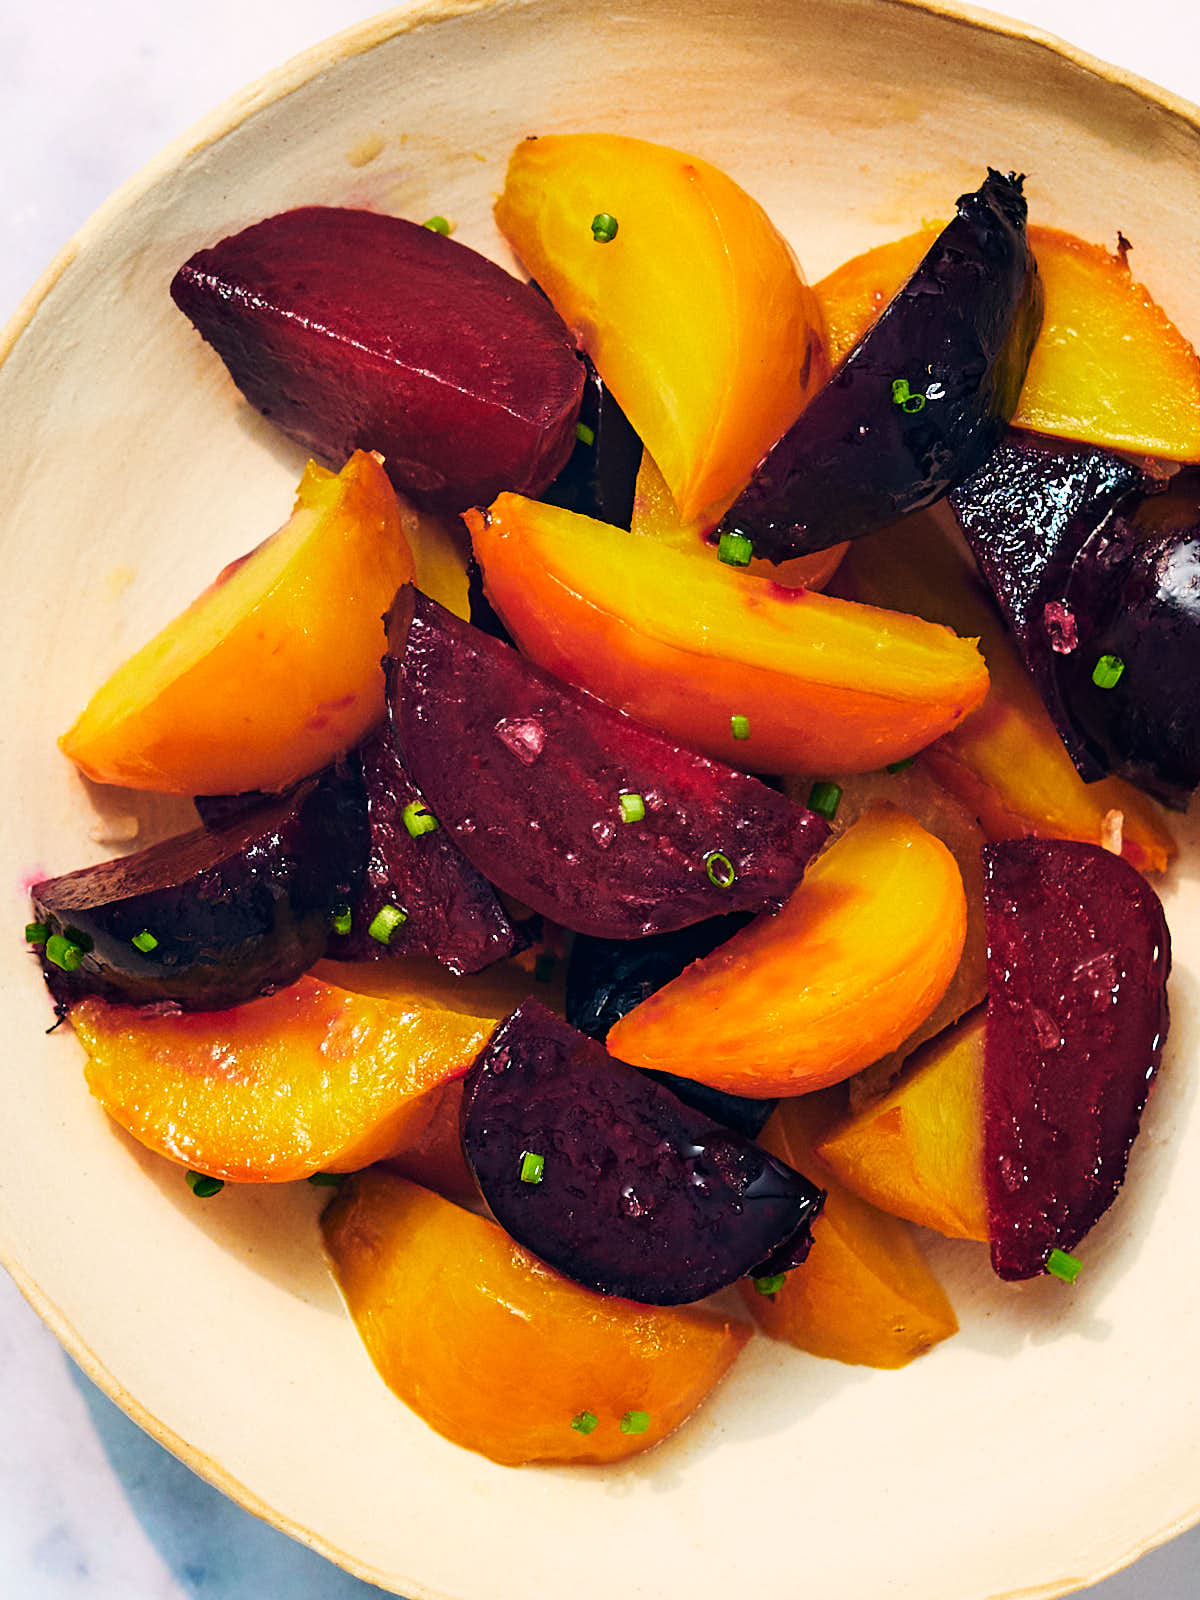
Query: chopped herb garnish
(604, 227)
(771, 1284)
(436, 225)
(418, 818)
(584, 434)
(342, 919)
(720, 870)
(326, 1180)
(633, 808)
(64, 952)
(739, 727)
(586, 1422)
(900, 766)
(1063, 1266)
(37, 932)
(543, 968)
(385, 922)
(144, 941)
(532, 1166)
(635, 1422)
(204, 1187)
(904, 397)
(1107, 672)
(824, 799)
(734, 549)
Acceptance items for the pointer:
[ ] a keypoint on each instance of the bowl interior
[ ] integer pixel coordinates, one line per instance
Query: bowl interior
(1049, 1441)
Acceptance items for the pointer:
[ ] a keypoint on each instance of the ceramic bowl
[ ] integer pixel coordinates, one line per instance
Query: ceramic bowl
(1052, 1440)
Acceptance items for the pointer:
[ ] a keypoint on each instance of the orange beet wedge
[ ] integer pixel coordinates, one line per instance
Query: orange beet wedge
(685, 645)
(1006, 762)
(859, 955)
(694, 312)
(865, 1294)
(313, 1078)
(1109, 368)
(499, 1353)
(299, 620)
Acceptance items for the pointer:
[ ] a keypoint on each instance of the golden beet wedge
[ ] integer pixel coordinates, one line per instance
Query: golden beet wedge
(311, 1079)
(680, 289)
(865, 1294)
(1006, 761)
(498, 1352)
(918, 1151)
(859, 955)
(1109, 368)
(687, 645)
(298, 619)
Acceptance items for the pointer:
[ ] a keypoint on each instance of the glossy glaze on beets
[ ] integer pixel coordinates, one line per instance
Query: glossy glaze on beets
(639, 1195)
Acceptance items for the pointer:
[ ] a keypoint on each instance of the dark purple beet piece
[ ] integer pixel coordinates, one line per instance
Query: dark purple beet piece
(354, 330)
(638, 1195)
(233, 912)
(600, 478)
(1078, 957)
(920, 403)
(528, 775)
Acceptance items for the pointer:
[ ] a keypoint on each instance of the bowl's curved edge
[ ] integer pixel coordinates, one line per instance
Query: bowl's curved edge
(232, 113)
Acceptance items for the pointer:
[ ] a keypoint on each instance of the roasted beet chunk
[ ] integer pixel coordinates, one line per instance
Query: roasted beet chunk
(600, 479)
(353, 330)
(612, 1180)
(595, 821)
(214, 917)
(1078, 956)
(921, 401)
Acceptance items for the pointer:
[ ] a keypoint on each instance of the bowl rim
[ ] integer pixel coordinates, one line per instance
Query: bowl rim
(237, 109)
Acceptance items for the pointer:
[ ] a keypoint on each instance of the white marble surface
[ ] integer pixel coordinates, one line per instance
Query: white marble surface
(90, 1508)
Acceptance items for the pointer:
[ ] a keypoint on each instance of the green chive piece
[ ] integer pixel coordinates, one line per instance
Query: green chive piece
(904, 397)
(824, 799)
(604, 227)
(63, 952)
(326, 1180)
(144, 941)
(1107, 672)
(734, 549)
(532, 1166)
(635, 1422)
(900, 766)
(720, 870)
(385, 922)
(418, 818)
(436, 225)
(204, 1187)
(771, 1284)
(585, 435)
(633, 808)
(342, 919)
(1063, 1266)
(586, 1422)
(543, 968)
(739, 727)
(37, 932)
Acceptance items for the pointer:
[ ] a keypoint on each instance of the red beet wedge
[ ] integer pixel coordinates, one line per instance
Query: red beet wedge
(588, 817)
(612, 1180)
(1078, 956)
(353, 330)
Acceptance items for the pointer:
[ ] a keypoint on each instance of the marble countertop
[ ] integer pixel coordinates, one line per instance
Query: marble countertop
(91, 1508)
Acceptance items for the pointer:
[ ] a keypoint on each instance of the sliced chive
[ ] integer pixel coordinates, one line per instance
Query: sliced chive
(824, 799)
(326, 1180)
(1107, 672)
(543, 968)
(1063, 1265)
(341, 919)
(904, 397)
(739, 727)
(734, 549)
(604, 227)
(635, 1422)
(204, 1187)
(532, 1166)
(585, 1422)
(633, 808)
(720, 870)
(436, 225)
(584, 434)
(771, 1284)
(385, 922)
(144, 941)
(37, 932)
(418, 818)
(63, 952)
(900, 766)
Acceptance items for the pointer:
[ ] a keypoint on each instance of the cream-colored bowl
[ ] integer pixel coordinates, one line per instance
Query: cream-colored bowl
(1059, 1434)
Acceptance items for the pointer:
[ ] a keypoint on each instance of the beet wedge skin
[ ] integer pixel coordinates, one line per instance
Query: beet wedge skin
(921, 401)
(588, 817)
(634, 1194)
(1078, 957)
(355, 330)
